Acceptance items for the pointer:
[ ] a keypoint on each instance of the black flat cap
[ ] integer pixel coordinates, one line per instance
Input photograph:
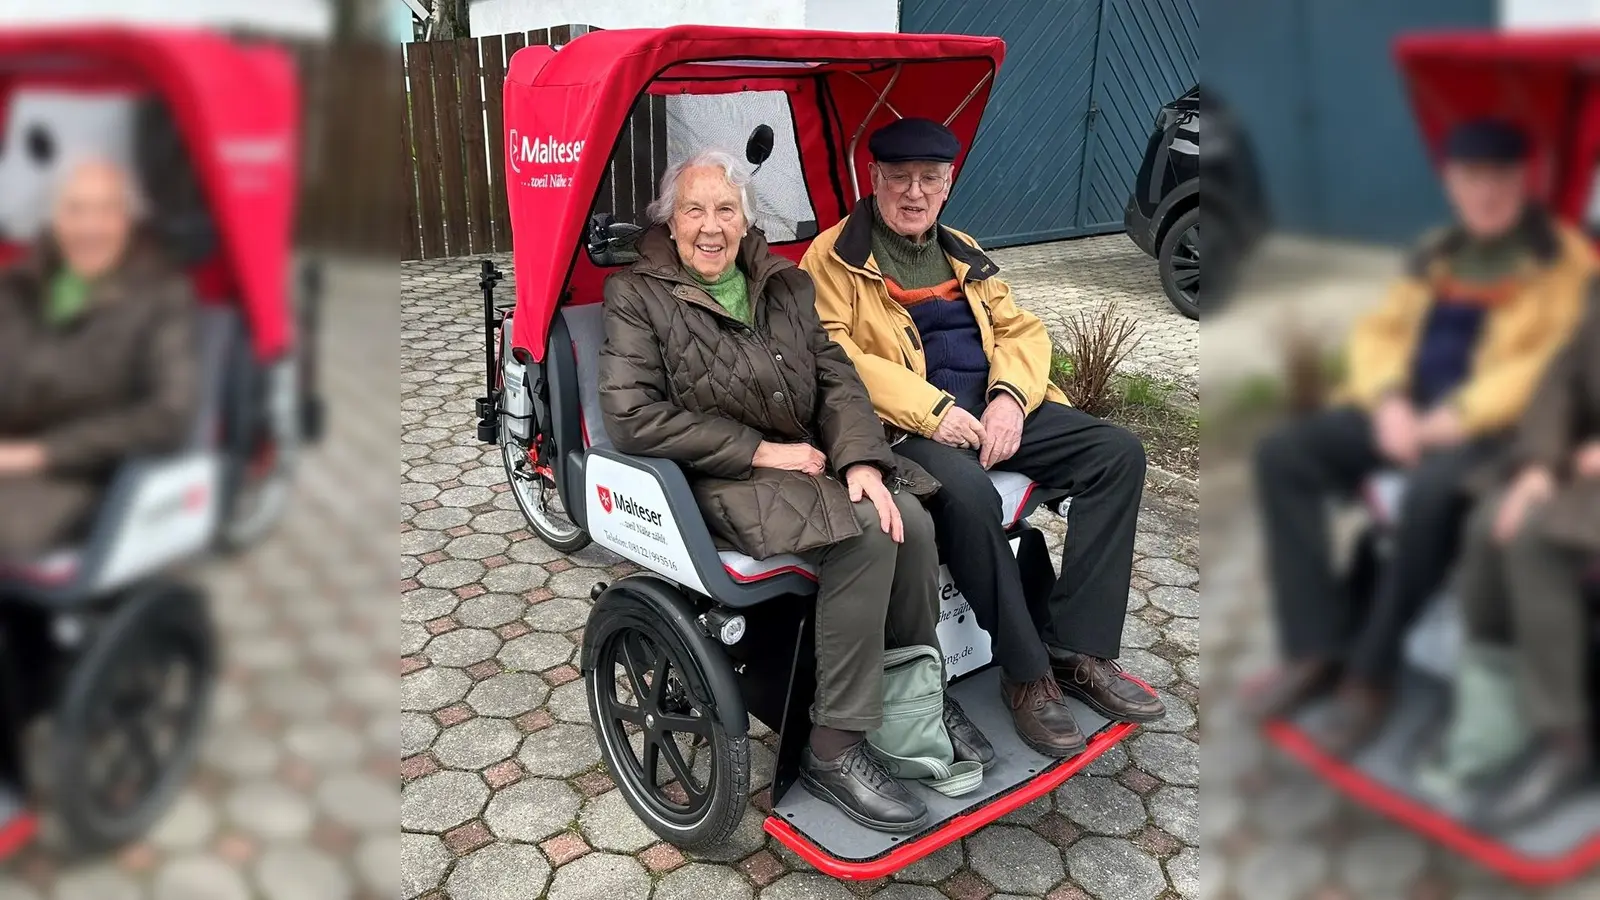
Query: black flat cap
(911, 140)
(1486, 141)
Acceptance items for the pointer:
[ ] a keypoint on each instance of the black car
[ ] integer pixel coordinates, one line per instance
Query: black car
(1166, 210)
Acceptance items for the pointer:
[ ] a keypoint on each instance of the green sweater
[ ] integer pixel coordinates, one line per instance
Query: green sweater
(908, 263)
(66, 298)
(730, 291)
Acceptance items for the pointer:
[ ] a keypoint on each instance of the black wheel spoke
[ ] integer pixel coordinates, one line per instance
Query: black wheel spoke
(636, 662)
(680, 768)
(652, 760)
(696, 725)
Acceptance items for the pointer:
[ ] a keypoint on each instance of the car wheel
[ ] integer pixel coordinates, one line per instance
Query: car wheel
(1179, 259)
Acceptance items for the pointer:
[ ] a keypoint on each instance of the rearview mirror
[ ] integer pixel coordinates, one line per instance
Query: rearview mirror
(759, 147)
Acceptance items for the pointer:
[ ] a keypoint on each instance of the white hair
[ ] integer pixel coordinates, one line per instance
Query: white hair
(133, 195)
(661, 209)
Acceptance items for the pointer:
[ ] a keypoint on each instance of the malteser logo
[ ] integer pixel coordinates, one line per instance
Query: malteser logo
(525, 149)
(610, 501)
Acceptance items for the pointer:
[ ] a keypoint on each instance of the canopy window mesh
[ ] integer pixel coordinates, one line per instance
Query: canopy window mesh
(697, 122)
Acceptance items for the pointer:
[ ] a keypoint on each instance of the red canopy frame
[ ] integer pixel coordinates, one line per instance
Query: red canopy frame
(564, 112)
(237, 107)
(1547, 82)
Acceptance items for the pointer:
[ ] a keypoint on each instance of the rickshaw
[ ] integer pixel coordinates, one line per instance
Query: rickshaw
(103, 641)
(1547, 84)
(679, 656)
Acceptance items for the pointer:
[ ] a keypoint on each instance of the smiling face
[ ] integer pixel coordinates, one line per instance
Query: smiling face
(708, 221)
(93, 218)
(910, 194)
(1489, 198)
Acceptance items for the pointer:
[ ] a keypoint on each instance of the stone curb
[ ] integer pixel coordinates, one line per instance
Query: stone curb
(1169, 481)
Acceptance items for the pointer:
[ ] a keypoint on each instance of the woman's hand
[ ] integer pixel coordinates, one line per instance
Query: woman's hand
(18, 458)
(866, 481)
(1534, 486)
(1586, 462)
(794, 457)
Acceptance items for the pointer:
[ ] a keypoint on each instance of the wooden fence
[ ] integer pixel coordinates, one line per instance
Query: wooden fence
(453, 149)
(350, 101)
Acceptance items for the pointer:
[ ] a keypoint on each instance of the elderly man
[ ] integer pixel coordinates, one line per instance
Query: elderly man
(1437, 374)
(96, 360)
(955, 365)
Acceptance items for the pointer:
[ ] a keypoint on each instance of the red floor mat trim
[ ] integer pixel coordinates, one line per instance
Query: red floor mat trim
(16, 833)
(1483, 850)
(957, 828)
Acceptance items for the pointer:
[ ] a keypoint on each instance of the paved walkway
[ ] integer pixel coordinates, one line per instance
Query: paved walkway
(1271, 830)
(504, 794)
(295, 797)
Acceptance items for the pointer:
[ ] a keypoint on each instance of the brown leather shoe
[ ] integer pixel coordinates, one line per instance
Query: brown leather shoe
(1100, 684)
(1358, 713)
(1042, 719)
(1284, 693)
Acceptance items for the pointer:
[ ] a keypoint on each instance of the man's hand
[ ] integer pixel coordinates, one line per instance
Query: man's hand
(794, 457)
(1441, 428)
(19, 458)
(866, 481)
(1533, 486)
(959, 429)
(1398, 431)
(1002, 429)
(1586, 462)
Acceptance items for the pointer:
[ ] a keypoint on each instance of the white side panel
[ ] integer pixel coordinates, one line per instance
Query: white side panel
(628, 515)
(514, 399)
(172, 516)
(965, 646)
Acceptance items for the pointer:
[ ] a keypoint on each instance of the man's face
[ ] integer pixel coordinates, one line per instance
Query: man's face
(910, 194)
(1489, 198)
(92, 221)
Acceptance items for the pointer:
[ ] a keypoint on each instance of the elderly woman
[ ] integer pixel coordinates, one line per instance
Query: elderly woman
(714, 357)
(96, 360)
(1528, 547)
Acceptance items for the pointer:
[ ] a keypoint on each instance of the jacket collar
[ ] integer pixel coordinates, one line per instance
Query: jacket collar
(658, 258)
(1538, 229)
(142, 261)
(854, 245)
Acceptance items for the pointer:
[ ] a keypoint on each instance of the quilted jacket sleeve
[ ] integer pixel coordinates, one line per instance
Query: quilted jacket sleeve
(639, 416)
(850, 430)
(1548, 432)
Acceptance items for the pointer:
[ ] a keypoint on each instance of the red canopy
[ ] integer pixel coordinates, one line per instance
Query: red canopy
(1544, 81)
(237, 107)
(564, 112)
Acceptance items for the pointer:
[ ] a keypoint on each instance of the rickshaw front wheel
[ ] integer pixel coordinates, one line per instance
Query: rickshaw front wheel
(128, 726)
(679, 769)
(535, 493)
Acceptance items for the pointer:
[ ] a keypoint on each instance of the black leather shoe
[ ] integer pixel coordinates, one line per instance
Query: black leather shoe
(858, 784)
(1042, 718)
(969, 742)
(1100, 684)
(1547, 773)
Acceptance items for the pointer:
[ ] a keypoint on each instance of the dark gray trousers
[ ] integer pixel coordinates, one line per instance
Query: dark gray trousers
(871, 593)
(1303, 467)
(1528, 595)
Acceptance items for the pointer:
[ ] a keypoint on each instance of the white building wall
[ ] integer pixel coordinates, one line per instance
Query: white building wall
(504, 16)
(291, 18)
(1546, 14)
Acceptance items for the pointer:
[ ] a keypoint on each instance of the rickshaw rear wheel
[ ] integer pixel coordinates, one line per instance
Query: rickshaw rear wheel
(261, 474)
(679, 769)
(127, 729)
(532, 490)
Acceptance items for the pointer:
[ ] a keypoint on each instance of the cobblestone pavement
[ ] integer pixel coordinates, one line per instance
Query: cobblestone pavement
(295, 796)
(1057, 281)
(1271, 830)
(504, 795)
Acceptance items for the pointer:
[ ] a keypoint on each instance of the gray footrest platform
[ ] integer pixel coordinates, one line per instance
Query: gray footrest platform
(1015, 764)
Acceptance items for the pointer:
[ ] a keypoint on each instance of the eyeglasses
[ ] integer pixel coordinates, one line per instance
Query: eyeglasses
(931, 183)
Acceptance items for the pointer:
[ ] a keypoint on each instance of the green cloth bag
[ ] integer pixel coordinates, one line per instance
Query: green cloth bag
(1486, 731)
(912, 742)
